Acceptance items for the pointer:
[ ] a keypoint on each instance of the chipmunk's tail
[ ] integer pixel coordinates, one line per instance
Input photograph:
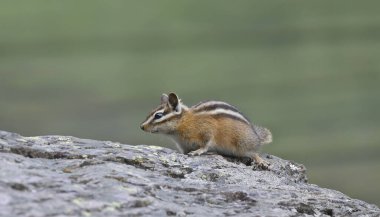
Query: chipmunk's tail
(264, 134)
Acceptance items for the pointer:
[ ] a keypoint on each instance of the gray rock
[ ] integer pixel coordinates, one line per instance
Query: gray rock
(68, 176)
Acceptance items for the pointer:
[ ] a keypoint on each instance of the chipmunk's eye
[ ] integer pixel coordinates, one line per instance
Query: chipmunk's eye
(158, 115)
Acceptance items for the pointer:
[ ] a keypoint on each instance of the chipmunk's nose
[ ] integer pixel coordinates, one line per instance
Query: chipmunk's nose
(142, 127)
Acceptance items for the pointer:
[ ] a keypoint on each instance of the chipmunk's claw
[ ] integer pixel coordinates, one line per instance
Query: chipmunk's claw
(197, 152)
(192, 153)
(260, 163)
(263, 165)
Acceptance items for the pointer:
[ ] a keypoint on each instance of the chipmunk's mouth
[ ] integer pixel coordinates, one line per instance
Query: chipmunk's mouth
(146, 129)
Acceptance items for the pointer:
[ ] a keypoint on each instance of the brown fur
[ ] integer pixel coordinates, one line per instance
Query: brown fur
(196, 132)
(227, 134)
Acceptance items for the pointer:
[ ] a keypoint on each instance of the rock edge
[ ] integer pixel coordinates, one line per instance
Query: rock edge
(68, 176)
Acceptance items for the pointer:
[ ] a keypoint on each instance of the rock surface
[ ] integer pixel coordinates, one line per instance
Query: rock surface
(67, 176)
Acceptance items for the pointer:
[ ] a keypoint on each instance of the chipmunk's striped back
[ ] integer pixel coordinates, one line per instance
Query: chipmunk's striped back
(219, 109)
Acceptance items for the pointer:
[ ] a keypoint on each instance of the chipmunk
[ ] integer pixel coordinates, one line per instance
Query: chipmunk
(208, 126)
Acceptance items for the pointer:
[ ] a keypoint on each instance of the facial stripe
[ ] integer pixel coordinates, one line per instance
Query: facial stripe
(161, 107)
(150, 118)
(226, 113)
(159, 111)
(168, 114)
(164, 117)
(167, 118)
(152, 114)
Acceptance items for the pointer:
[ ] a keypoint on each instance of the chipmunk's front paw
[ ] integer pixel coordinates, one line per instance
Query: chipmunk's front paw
(193, 153)
(197, 152)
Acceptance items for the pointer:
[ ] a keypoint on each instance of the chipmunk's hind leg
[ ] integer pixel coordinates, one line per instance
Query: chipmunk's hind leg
(261, 163)
(250, 146)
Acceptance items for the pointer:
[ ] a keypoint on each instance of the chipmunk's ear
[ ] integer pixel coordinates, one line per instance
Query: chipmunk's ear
(164, 98)
(173, 101)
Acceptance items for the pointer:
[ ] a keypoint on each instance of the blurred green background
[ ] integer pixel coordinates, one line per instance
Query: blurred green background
(308, 70)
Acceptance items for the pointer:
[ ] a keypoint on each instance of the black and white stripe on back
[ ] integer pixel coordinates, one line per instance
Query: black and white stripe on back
(220, 109)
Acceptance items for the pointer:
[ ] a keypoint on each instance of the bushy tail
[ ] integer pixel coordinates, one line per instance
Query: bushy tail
(264, 134)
